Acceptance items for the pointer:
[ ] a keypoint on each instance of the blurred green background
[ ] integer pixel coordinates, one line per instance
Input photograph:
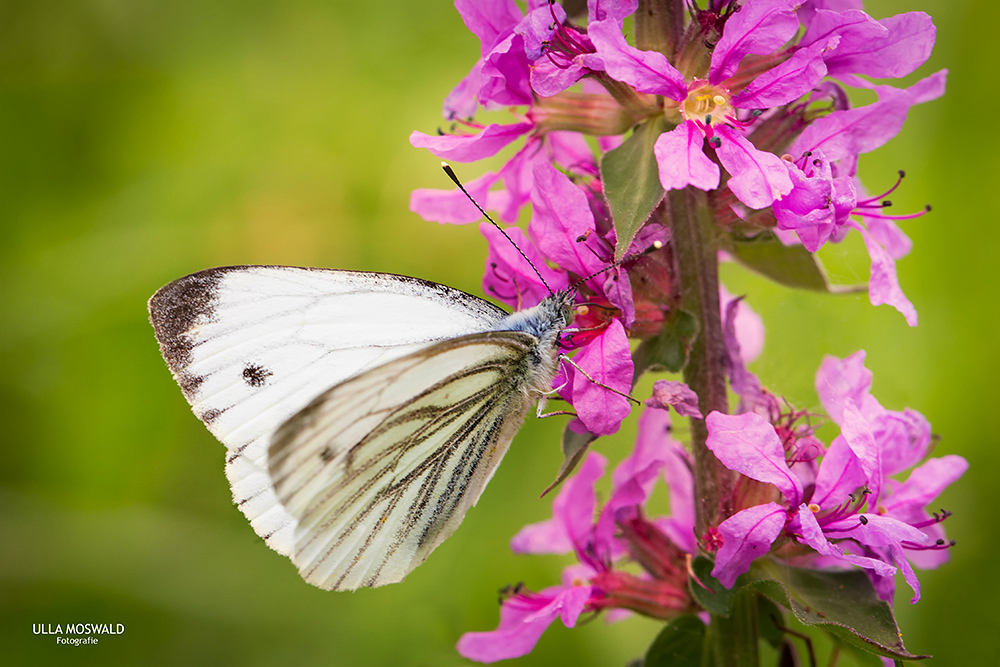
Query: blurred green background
(142, 140)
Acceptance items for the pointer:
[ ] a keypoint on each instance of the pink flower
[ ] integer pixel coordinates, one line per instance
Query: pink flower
(847, 508)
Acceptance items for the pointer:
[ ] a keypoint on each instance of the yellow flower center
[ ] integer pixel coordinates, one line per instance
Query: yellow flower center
(708, 105)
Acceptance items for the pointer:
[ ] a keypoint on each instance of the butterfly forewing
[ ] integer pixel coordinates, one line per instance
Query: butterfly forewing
(251, 346)
(382, 468)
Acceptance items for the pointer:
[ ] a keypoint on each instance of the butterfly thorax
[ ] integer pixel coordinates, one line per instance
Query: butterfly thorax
(545, 322)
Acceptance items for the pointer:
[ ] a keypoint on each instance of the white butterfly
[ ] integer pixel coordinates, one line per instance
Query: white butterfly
(363, 413)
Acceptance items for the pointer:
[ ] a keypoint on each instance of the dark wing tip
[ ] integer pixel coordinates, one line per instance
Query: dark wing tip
(177, 307)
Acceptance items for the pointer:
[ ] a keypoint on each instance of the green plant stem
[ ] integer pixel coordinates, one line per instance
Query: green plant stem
(693, 239)
(731, 641)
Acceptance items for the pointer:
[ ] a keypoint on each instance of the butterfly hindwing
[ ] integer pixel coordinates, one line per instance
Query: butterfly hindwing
(251, 346)
(382, 468)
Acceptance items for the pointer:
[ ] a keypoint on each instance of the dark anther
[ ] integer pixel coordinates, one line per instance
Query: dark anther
(902, 174)
(581, 238)
(927, 208)
(440, 132)
(715, 142)
(756, 112)
(807, 154)
(940, 542)
(817, 162)
(863, 519)
(708, 119)
(886, 203)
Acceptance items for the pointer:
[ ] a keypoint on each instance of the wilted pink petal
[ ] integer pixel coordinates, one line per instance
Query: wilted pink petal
(470, 147)
(760, 27)
(883, 285)
(747, 535)
(757, 177)
(748, 444)
(669, 393)
(681, 158)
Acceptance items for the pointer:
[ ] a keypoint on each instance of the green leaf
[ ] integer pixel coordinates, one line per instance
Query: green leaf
(574, 446)
(792, 266)
(769, 617)
(709, 591)
(669, 349)
(679, 644)
(631, 181)
(843, 603)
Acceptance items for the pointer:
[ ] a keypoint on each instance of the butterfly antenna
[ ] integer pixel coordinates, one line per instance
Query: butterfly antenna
(656, 245)
(451, 174)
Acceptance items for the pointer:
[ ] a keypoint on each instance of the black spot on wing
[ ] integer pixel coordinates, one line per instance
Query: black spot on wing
(210, 415)
(177, 308)
(255, 375)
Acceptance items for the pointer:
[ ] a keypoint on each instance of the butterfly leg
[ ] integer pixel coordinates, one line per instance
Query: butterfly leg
(629, 397)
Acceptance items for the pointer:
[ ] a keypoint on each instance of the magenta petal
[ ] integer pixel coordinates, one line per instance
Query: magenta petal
(747, 536)
(886, 49)
(760, 27)
(677, 394)
(809, 533)
(452, 206)
(646, 71)
(857, 432)
(888, 235)
(883, 285)
(463, 100)
(562, 215)
(840, 474)
(547, 79)
(472, 147)
(925, 484)
(608, 361)
(488, 20)
(842, 380)
(850, 132)
(516, 635)
(757, 177)
(748, 327)
(749, 445)
(509, 276)
(575, 504)
(903, 437)
(788, 81)
(600, 10)
(652, 444)
(681, 158)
